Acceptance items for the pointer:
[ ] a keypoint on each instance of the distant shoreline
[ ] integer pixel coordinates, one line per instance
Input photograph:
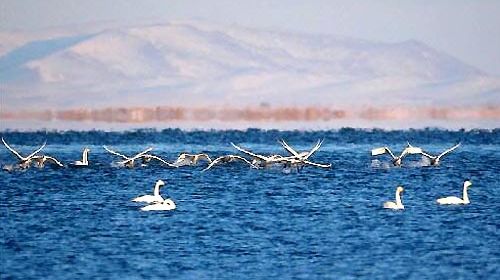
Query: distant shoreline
(258, 116)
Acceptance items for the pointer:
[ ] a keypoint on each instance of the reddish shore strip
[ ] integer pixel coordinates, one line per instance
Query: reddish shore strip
(255, 114)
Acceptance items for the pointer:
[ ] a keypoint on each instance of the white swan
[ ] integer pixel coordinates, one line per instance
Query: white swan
(85, 158)
(300, 159)
(398, 204)
(166, 205)
(456, 200)
(128, 161)
(260, 160)
(397, 160)
(436, 159)
(23, 162)
(156, 197)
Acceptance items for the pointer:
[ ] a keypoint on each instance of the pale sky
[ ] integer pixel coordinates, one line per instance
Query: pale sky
(466, 29)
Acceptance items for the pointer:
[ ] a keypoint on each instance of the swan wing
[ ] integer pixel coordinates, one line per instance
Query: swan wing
(425, 154)
(142, 153)
(37, 150)
(448, 151)
(54, 160)
(115, 153)
(381, 151)
(160, 159)
(214, 162)
(314, 149)
(288, 148)
(261, 157)
(245, 160)
(166, 205)
(13, 151)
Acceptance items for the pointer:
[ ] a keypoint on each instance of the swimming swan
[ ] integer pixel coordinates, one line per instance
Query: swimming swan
(398, 205)
(156, 197)
(85, 158)
(455, 200)
(166, 205)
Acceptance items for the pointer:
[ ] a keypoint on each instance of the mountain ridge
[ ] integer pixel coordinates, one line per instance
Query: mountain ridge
(193, 63)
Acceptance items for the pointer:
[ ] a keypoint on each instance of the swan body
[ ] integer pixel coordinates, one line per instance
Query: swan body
(85, 158)
(165, 205)
(453, 200)
(155, 198)
(398, 204)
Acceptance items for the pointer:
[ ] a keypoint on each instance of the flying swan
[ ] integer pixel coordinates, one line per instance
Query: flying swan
(396, 160)
(23, 162)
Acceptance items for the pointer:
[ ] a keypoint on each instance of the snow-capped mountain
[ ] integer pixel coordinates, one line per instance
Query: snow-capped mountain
(201, 64)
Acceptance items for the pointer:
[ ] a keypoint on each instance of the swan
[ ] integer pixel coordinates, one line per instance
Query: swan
(397, 160)
(166, 205)
(228, 158)
(40, 160)
(436, 159)
(260, 160)
(128, 161)
(156, 197)
(190, 159)
(23, 162)
(398, 205)
(300, 159)
(456, 200)
(85, 158)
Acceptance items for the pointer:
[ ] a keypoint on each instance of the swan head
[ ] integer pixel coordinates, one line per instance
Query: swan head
(160, 183)
(400, 189)
(467, 183)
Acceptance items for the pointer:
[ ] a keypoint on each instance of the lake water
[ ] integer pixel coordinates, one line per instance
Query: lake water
(236, 222)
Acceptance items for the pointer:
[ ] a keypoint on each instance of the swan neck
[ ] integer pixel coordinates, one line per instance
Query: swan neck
(465, 195)
(398, 199)
(156, 190)
(85, 157)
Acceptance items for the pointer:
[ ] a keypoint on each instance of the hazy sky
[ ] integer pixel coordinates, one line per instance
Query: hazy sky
(469, 30)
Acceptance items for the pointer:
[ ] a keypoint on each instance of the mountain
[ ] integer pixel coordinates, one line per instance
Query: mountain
(201, 64)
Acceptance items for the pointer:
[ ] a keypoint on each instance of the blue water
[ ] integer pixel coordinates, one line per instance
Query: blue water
(235, 222)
